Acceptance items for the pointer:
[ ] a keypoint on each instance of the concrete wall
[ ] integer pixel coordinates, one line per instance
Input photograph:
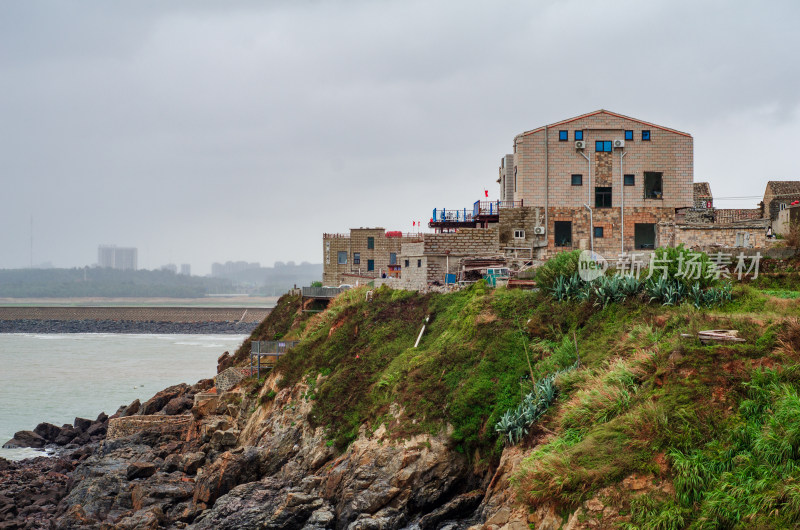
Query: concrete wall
(697, 236)
(506, 177)
(786, 218)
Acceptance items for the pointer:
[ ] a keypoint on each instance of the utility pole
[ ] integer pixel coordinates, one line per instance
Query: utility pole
(31, 241)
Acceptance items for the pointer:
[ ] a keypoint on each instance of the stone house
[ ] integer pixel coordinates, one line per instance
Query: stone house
(778, 195)
(787, 217)
(363, 254)
(603, 180)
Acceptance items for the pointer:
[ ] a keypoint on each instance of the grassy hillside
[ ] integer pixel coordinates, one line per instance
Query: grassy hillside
(720, 423)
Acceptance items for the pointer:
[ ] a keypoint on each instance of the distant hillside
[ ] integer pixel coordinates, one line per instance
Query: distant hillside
(275, 280)
(102, 282)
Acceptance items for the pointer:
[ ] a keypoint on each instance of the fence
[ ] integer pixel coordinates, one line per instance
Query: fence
(271, 349)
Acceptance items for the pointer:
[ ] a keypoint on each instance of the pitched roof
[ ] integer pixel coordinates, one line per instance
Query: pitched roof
(783, 187)
(702, 190)
(603, 111)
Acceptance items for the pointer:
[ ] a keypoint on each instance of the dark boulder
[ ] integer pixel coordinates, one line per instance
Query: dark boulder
(159, 401)
(48, 431)
(81, 424)
(140, 470)
(133, 408)
(178, 405)
(25, 439)
(65, 435)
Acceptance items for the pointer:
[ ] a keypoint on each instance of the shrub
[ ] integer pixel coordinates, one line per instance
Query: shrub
(684, 265)
(562, 264)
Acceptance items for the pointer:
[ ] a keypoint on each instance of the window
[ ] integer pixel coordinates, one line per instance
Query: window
(342, 257)
(577, 180)
(405, 263)
(419, 263)
(392, 258)
(515, 178)
(563, 233)
(602, 146)
(652, 185)
(782, 206)
(629, 135)
(629, 180)
(563, 136)
(598, 231)
(519, 234)
(645, 136)
(370, 243)
(370, 264)
(602, 197)
(578, 135)
(356, 258)
(644, 235)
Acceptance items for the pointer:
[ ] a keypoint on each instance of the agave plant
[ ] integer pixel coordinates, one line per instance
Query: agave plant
(697, 295)
(629, 284)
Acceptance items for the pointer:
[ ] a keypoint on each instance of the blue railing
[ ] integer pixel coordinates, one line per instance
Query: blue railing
(451, 215)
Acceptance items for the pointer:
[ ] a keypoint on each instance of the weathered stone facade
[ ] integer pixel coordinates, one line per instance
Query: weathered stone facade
(778, 195)
(365, 252)
(545, 166)
(751, 234)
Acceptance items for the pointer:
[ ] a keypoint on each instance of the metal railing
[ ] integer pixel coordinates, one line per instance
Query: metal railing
(271, 349)
(493, 207)
(451, 215)
(322, 292)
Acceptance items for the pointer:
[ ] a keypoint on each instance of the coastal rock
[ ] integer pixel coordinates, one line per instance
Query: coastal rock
(25, 439)
(81, 424)
(65, 435)
(133, 408)
(140, 470)
(48, 431)
(157, 402)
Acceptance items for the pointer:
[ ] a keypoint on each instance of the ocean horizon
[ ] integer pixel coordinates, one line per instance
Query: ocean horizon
(55, 378)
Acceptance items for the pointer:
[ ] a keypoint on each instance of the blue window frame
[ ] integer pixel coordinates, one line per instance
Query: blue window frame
(630, 180)
(356, 258)
(370, 264)
(563, 136)
(578, 135)
(577, 180)
(370, 243)
(598, 231)
(602, 146)
(645, 136)
(629, 135)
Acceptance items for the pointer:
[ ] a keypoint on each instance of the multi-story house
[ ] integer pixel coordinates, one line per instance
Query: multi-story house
(362, 255)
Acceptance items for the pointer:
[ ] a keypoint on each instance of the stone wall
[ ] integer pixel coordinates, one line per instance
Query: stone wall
(231, 377)
(465, 242)
(129, 425)
(731, 236)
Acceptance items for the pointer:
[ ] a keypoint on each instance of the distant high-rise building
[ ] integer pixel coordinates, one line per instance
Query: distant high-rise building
(120, 258)
(186, 269)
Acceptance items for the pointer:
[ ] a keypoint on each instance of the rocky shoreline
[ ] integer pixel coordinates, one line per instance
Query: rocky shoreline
(248, 458)
(125, 326)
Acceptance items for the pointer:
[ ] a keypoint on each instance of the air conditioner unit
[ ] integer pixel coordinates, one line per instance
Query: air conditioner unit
(619, 143)
(580, 144)
(538, 230)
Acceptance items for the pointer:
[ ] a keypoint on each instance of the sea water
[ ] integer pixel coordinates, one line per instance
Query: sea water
(55, 378)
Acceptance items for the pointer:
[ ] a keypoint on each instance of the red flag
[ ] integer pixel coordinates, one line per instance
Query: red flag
(486, 192)
(413, 223)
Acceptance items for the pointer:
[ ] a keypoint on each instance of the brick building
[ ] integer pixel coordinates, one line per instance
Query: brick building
(363, 254)
(602, 179)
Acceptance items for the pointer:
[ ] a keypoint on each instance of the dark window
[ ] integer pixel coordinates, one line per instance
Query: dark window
(644, 235)
(370, 243)
(342, 257)
(653, 185)
(602, 197)
(630, 180)
(602, 146)
(405, 263)
(577, 180)
(578, 135)
(356, 258)
(629, 135)
(392, 258)
(598, 231)
(563, 136)
(563, 233)
(370, 264)
(515, 178)
(419, 263)
(646, 136)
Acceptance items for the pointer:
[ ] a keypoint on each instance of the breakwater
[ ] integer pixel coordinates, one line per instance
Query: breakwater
(206, 320)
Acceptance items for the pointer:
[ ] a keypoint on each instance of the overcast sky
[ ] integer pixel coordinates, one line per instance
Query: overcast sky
(242, 130)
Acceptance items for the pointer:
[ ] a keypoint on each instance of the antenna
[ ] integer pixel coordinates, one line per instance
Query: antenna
(31, 241)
